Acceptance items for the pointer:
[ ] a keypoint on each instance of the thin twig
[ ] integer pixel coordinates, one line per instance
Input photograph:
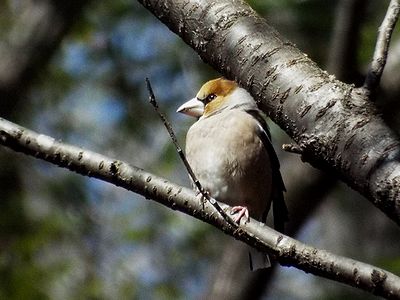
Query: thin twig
(203, 192)
(382, 46)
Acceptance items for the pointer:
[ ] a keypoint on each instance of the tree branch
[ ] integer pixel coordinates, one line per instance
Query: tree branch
(382, 46)
(334, 123)
(287, 251)
(230, 281)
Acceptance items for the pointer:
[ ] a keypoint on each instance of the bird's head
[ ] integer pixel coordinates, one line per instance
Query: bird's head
(213, 96)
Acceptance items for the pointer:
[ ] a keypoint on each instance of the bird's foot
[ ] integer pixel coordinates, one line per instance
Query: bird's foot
(240, 211)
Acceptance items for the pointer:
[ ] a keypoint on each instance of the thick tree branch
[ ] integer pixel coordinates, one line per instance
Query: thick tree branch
(230, 281)
(287, 251)
(337, 127)
(382, 46)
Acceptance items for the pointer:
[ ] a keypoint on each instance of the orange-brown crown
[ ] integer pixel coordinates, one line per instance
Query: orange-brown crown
(214, 94)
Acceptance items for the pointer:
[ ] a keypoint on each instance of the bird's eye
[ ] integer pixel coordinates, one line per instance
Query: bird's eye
(210, 97)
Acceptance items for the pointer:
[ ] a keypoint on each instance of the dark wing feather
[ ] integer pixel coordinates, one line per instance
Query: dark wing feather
(279, 208)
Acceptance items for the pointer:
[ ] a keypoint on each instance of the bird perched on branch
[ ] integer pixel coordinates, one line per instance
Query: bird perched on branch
(230, 151)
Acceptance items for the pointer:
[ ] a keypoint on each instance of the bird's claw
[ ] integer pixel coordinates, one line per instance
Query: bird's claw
(240, 211)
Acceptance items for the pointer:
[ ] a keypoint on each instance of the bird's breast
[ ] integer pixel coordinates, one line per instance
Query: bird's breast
(229, 159)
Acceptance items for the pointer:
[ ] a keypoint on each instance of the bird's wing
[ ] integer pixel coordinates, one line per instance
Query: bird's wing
(279, 208)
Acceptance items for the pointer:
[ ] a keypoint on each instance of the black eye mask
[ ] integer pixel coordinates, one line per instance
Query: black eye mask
(208, 99)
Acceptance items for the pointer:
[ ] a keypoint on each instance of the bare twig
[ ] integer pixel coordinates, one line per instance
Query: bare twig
(203, 192)
(382, 46)
(288, 251)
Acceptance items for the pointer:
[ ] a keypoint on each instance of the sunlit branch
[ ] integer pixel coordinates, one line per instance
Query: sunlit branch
(382, 46)
(285, 250)
(334, 124)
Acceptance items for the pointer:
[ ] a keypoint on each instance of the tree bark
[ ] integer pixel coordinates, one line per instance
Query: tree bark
(285, 250)
(336, 126)
(231, 281)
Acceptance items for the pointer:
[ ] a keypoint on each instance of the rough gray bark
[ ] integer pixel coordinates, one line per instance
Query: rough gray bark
(287, 251)
(231, 281)
(335, 124)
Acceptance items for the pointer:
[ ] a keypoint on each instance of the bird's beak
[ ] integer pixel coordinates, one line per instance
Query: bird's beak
(193, 108)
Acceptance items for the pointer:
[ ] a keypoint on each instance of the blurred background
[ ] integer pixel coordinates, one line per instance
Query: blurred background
(76, 71)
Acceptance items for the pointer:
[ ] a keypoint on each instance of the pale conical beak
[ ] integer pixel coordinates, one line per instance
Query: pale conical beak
(193, 108)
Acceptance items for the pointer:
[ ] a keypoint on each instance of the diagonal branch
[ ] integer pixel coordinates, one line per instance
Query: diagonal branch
(230, 281)
(382, 46)
(287, 251)
(334, 123)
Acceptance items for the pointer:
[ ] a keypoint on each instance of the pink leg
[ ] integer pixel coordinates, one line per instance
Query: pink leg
(240, 211)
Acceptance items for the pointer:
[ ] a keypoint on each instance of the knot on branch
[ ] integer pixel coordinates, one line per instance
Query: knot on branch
(114, 167)
(378, 278)
(314, 149)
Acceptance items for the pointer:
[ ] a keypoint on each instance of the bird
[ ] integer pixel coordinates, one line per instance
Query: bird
(230, 151)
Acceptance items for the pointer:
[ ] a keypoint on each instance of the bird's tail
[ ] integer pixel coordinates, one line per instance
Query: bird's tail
(258, 260)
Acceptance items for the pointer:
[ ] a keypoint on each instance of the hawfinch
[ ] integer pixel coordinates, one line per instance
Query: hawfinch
(229, 149)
